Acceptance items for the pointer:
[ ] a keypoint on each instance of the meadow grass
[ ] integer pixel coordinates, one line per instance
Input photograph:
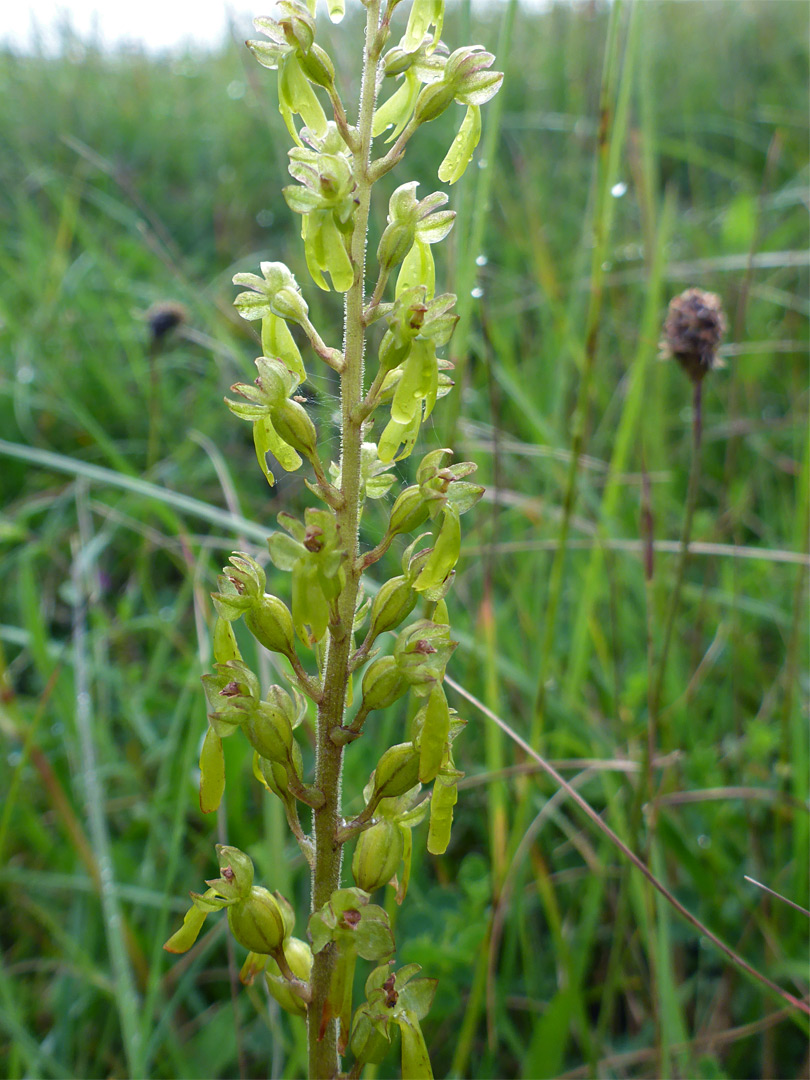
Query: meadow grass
(133, 179)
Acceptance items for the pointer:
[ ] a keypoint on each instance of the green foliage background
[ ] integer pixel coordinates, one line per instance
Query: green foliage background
(132, 179)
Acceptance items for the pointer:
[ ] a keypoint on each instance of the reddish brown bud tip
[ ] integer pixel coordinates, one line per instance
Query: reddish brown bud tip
(423, 647)
(313, 539)
(693, 330)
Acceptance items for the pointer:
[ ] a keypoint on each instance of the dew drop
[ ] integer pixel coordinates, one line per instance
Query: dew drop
(477, 292)
(481, 260)
(236, 90)
(265, 218)
(618, 189)
(704, 841)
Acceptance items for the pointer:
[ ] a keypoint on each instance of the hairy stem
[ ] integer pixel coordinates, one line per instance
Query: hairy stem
(322, 1036)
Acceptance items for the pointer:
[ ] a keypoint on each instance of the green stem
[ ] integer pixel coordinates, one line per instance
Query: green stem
(322, 1037)
(683, 555)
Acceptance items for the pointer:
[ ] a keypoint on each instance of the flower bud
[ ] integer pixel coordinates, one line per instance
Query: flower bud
(317, 66)
(289, 304)
(274, 776)
(397, 772)
(257, 922)
(432, 101)
(409, 511)
(298, 26)
(298, 955)
(393, 603)
(377, 855)
(293, 424)
(396, 61)
(383, 684)
(271, 624)
(395, 243)
(392, 352)
(269, 732)
(236, 873)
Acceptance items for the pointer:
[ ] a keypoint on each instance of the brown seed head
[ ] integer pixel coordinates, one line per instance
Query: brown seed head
(693, 330)
(163, 317)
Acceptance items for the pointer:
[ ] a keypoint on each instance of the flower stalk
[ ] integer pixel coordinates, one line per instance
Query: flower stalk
(333, 163)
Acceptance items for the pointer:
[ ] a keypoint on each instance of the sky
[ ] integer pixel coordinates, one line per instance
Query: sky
(153, 24)
(150, 24)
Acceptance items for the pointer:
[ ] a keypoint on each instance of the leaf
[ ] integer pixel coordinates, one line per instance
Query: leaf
(398, 109)
(212, 769)
(418, 268)
(423, 14)
(245, 410)
(407, 852)
(480, 87)
(463, 496)
(284, 551)
(417, 995)
(435, 729)
(266, 53)
(462, 147)
(407, 400)
(445, 552)
(415, 1058)
(445, 796)
(435, 227)
(277, 341)
(396, 434)
(300, 199)
(333, 256)
(182, 940)
(225, 647)
(310, 230)
(266, 440)
(252, 305)
(298, 95)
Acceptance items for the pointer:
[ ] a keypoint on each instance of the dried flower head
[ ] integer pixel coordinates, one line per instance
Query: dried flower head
(693, 330)
(163, 317)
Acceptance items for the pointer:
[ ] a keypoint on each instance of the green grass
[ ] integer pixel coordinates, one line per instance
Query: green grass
(133, 179)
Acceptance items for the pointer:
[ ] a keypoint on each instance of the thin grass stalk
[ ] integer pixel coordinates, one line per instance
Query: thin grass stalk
(126, 997)
(622, 447)
(607, 142)
(473, 233)
(683, 555)
(797, 1003)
